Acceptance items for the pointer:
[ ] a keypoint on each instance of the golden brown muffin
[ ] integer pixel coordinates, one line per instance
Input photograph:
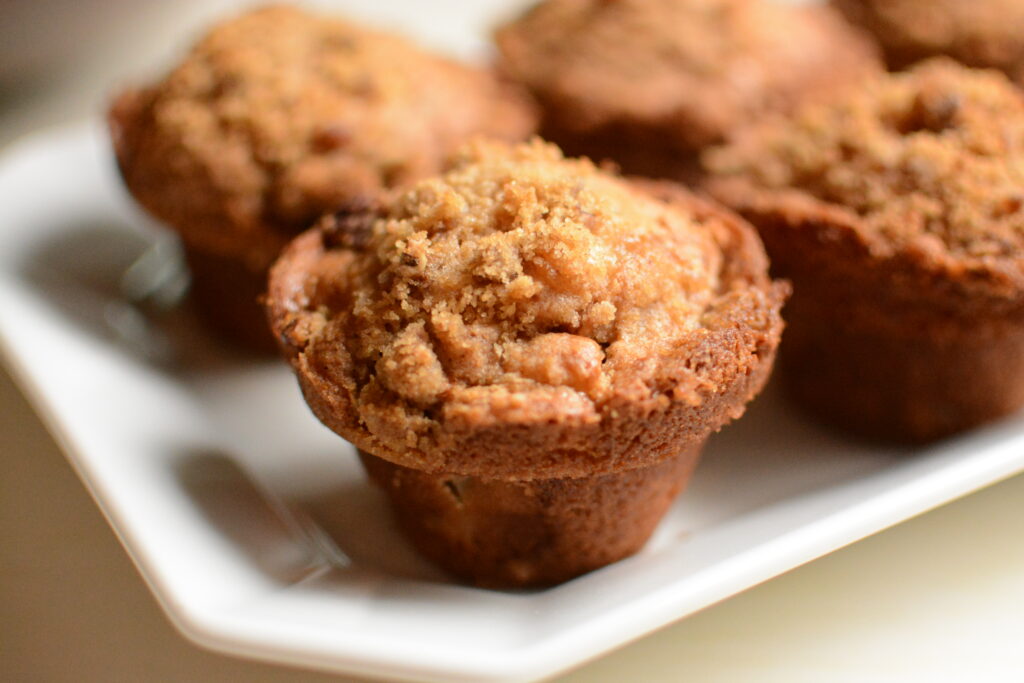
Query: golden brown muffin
(531, 323)
(649, 83)
(898, 213)
(502, 533)
(980, 33)
(278, 116)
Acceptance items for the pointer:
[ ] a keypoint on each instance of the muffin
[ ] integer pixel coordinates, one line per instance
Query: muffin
(649, 83)
(981, 33)
(278, 116)
(898, 214)
(529, 352)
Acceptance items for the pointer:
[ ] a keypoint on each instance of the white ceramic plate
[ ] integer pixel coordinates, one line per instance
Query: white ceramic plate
(255, 529)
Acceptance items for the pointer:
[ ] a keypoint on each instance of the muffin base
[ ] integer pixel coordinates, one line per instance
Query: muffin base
(632, 148)
(902, 343)
(225, 293)
(501, 533)
(904, 384)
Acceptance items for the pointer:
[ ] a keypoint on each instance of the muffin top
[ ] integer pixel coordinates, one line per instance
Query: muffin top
(279, 115)
(930, 160)
(983, 33)
(524, 290)
(697, 68)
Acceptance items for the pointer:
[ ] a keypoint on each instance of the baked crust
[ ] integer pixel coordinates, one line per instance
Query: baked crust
(669, 77)
(906, 346)
(225, 294)
(530, 533)
(980, 33)
(279, 115)
(567, 392)
(896, 215)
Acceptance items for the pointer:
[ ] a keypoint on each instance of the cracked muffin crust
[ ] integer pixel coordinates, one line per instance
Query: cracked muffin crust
(279, 115)
(981, 33)
(527, 316)
(650, 82)
(898, 214)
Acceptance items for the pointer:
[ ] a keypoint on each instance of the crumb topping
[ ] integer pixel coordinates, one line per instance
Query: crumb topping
(280, 115)
(524, 315)
(523, 286)
(713, 62)
(983, 33)
(935, 153)
(520, 268)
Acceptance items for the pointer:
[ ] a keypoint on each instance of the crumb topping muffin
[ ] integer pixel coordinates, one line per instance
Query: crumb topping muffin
(897, 213)
(528, 315)
(564, 248)
(932, 160)
(279, 115)
(981, 33)
(691, 69)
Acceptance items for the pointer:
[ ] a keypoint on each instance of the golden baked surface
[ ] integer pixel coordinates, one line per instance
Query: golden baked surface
(983, 33)
(524, 289)
(696, 67)
(528, 270)
(933, 158)
(279, 115)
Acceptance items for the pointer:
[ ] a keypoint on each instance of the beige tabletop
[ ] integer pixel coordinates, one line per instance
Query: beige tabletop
(939, 598)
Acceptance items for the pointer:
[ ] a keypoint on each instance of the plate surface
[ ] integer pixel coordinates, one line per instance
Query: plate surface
(256, 531)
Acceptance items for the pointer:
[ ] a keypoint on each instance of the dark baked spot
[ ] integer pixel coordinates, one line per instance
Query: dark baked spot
(330, 138)
(453, 489)
(349, 226)
(930, 114)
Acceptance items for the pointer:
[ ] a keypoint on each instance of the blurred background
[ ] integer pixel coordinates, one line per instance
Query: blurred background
(60, 59)
(936, 599)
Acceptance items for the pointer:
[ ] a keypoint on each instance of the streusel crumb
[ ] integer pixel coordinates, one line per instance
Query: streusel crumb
(524, 315)
(933, 154)
(518, 268)
(280, 115)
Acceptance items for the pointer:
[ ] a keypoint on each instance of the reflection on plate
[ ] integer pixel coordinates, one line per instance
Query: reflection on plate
(254, 527)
